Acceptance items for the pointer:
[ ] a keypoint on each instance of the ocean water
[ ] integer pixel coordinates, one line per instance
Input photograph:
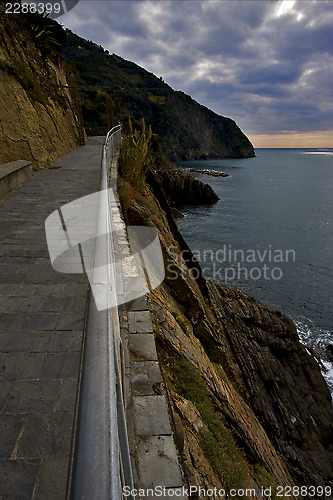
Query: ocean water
(271, 235)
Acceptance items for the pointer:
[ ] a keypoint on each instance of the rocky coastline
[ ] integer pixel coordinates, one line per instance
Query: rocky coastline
(249, 404)
(206, 171)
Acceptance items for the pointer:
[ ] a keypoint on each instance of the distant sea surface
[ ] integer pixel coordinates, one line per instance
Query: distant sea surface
(271, 235)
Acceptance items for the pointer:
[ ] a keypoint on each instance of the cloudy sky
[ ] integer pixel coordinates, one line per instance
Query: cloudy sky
(266, 64)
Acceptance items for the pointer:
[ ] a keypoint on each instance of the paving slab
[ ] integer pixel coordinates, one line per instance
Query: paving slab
(5, 391)
(67, 395)
(139, 304)
(158, 464)
(42, 316)
(146, 376)
(139, 322)
(142, 347)
(49, 341)
(46, 434)
(15, 342)
(151, 416)
(10, 427)
(33, 396)
(18, 478)
(21, 366)
(49, 487)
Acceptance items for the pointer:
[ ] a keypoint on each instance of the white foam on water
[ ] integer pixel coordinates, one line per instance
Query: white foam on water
(317, 339)
(328, 374)
(318, 153)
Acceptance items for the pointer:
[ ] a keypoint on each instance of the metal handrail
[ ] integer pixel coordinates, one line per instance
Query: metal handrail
(102, 464)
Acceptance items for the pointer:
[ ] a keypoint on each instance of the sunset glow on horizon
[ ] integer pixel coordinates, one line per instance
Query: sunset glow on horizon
(323, 139)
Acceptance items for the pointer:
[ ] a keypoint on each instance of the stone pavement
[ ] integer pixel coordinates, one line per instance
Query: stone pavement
(42, 315)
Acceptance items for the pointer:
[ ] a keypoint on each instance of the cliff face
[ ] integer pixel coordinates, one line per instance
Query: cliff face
(279, 380)
(249, 404)
(194, 132)
(188, 130)
(38, 121)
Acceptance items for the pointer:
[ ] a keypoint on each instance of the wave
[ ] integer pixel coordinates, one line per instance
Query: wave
(318, 339)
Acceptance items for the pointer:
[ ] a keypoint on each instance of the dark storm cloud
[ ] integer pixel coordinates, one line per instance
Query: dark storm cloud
(267, 64)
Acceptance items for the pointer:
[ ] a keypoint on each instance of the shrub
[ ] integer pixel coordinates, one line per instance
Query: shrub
(135, 156)
(48, 36)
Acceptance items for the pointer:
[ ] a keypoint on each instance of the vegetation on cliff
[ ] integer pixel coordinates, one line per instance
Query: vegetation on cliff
(188, 130)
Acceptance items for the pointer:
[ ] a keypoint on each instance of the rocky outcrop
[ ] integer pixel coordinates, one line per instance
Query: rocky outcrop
(206, 171)
(184, 189)
(38, 120)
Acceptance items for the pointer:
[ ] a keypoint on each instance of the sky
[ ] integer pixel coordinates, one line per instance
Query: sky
(267, 64)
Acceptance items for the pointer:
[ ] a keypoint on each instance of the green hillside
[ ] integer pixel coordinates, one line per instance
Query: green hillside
(111, 87)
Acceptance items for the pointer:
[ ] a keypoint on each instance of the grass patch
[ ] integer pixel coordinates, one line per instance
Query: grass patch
(156, 98)
(265, 479)
(19, 69)
(217, 441)
(181, 322)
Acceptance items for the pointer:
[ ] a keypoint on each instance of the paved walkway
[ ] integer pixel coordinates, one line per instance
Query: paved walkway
(41, 328)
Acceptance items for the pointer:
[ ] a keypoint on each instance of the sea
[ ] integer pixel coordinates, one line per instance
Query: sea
(271, 235)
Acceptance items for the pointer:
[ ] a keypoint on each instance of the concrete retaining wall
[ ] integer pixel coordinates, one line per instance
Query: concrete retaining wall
(13, 175)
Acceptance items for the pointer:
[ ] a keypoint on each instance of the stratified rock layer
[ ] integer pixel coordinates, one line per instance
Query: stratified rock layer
(280, 381)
